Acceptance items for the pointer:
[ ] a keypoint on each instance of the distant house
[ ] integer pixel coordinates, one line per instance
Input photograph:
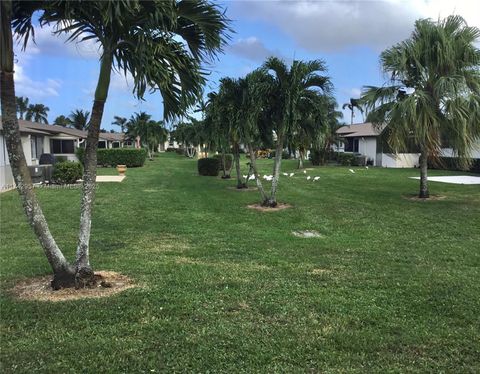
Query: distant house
(367, 140)
(370, 141)
(62, 141)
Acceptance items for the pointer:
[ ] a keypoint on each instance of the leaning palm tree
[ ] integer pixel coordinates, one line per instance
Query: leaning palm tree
(160, 43)
(37, 113)
(354, 103)
(78, 119)
(291, 85)
(433, 92)
(22, 106)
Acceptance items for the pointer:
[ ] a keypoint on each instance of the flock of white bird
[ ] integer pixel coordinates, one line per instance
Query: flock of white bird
(270, 177)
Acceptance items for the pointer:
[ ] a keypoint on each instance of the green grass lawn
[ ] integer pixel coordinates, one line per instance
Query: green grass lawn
(393, 285)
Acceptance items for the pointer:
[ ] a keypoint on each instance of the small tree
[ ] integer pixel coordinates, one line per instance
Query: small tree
(78, 119)
(37, 113)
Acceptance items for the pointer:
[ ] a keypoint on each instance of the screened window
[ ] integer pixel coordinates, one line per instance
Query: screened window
(62, 146)
(36, 144)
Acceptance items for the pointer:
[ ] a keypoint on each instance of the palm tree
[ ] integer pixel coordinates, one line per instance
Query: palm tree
(78, 119)
(433, 92)
(160, 43)
(291, 85)
(37, 113)
(22, 106)
(120, 121)
(354, 103)
(151, 133)
(61, 121)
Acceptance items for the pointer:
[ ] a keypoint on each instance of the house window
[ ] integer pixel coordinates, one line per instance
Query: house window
(102, 145)
(355, 145)
(116, 145)
(62, 146)
(36, 144)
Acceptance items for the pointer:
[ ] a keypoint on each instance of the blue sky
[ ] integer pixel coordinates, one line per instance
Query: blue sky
(347, 35)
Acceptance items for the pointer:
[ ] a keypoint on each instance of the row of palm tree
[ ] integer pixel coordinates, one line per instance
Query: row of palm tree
(273, 106)
(31, 112)
(149, 132)
(162, 44)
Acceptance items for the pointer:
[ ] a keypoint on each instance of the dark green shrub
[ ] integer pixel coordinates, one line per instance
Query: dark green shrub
(228, 161)
(180, 151)
(170, 149)
(346, 159)
(451, 163)
(315, 157)
(208, 166)
(285, 155)
(61, 158)
(67, 172)
(80, 153)
(131, 157)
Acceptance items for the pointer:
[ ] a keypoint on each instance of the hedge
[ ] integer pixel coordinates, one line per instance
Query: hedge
(131, 157)
(346, 159)
(451, 163)
(67, 172)
(228, 161)
(208, 166)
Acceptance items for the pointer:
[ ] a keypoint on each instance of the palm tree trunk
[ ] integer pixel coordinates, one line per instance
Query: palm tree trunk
(236, 155)
(223, 164)
(82, 263)
(63, 273)
(253, 161)
(300, 159)
(424, 193)
(272, 201)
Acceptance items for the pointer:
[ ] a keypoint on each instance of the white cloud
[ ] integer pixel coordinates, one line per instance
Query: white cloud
(253, 49)
(25, 86)
(120, 82)
(330, 26)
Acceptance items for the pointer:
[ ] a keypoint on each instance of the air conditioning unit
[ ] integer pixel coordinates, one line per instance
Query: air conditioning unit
(37, 174)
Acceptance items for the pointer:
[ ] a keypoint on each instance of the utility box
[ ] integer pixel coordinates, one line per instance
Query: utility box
(37, 173)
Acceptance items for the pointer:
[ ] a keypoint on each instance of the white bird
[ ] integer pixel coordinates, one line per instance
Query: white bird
(351, 171)
(366, 167)
(304, 172)
(245, 176)
(251, 177)
(286, 174)
(292, 174)
(316, 178)
(309, 177)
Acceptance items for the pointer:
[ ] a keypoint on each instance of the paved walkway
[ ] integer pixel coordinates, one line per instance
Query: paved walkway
(110, 178)
(455, 179)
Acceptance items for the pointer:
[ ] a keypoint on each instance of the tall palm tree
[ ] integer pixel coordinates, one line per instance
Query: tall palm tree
(22, 106)
(352, 105)
(37, 113)
(433, 92)
(78, 119)
(291, 85)
(160, 43)
(61, 121)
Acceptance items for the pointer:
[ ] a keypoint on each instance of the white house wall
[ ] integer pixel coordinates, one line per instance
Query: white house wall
(401, 160)
(368, 147)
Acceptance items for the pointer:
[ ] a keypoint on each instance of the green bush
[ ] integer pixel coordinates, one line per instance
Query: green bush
(208, 166)
(170, 149)
(451, 163)
(346, 159)
(228, 161)
(285, 155)
(67, 172)
(80, 153)
(180, 151)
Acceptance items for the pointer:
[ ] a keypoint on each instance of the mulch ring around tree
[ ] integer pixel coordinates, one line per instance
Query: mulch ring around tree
(243, 189)
(109, 283)
(280, 206)
(414, 197)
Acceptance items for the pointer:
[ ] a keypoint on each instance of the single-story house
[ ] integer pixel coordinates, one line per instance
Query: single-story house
(369, 141)
(61, 141)
(366, 139)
